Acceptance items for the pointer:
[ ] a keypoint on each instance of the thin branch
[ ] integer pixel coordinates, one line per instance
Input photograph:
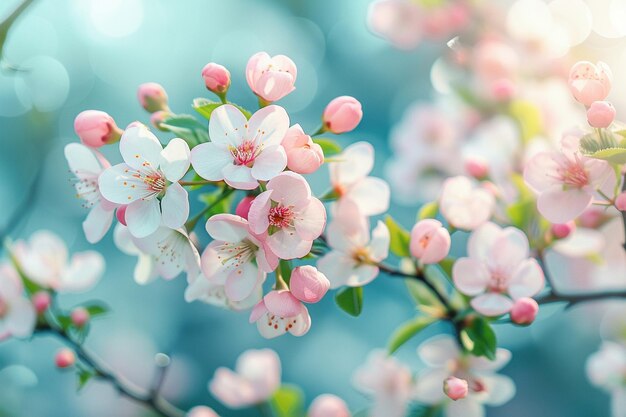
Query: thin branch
(624, 212)
(572, 299)
(7, 23)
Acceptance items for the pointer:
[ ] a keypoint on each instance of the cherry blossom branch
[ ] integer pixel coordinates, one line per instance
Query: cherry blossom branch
(624, 212)
(572, 299)
(7, 23)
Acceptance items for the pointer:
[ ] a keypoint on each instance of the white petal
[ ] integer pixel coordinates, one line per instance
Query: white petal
(124, 241)
(287, 244)
(371, 195)
(97, 223)
(139, 146)
(145, 269)
(355, 163)
(240, 177)
(560, 206)
(143, 217)
(21, 318)
(227, 227)
(527, 280)
(118, 185)
(491, 304)
(310, 222)
(83, 272)
(470, 276)
(175, 206)
(337, 267)
(482, 240)
(270, 162)
(438, 351)
(210, 159)
(429, 385)
(269, 125)
(227, 126)
(175, 159)
(467, 407)
(500, 389)
(379, 245)
(82, 161)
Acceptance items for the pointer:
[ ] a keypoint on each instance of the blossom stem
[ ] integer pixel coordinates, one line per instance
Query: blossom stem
(319, 131)
(624, 212)
(265, 409)
(7, 23)
(572, 299)
(190, 183)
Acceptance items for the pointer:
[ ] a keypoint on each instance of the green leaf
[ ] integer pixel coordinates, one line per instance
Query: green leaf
(96, 309)
(446, 265)
(187, 128)
(64, 321)
(408, 330)
(210, 198)
(285, 270)
(428, 211)
(528, 118)
(400, 237)
(330, 147)
(288, 401)
(613, 155)
(479, 339)
(83, 377)
(205, 107)
(350, 300)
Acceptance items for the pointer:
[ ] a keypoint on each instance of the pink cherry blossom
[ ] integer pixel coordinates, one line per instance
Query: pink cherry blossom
(589, 82)
(152, 97)
(96, 128)
(289, 214)
(497, 271)
(243, 208)
(350, 181)
(237, 258)
(255, 379)
(600, 114)
(303, 155)
(216, 78)
(605, 369)
(354, 253)
(328, 405)
(243, 152)
(342, 114)
(200, 288)
(455, 388)
(465, 205)
(308, 284)
(17, 314)
(87, 165)
(271, 78)
(280, 312)
(524, 311)
(398, 21)
(147, 181)
(430, 241)
(567, 180)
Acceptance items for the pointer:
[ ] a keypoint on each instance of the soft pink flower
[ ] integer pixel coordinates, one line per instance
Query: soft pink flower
(342, 114)
(328, 405)
(17, 314)
(96, 128)
(303, 155)
(243, 208)
(398, 21)
(152, 97)
(308, 284)
(464, 205)
(589, 82)
(216, 78)
(477, 168)
(606, 367)
(567, 180)
(495, 60)
(41, 301)
(524, 311)
(243, 152)
(255, 379)
(354, 253)
(201, 411)
(600, 114)
(455, 388)
(498, 270)
(350, 181)
(147, 181)
(271, 78)
(201, 289)
(289, 214)
(65, 358)
(620, 201)
(561, 231)
(430, 241)
(237, 258)
(80, 317)
(280, 312)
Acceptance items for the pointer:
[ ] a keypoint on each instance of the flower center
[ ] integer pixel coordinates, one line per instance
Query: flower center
(245, 153)
(574, 174)
(281, 216)
(155, 182)
(361, 255)
(277, 322)
(234, 255)
(498, 282)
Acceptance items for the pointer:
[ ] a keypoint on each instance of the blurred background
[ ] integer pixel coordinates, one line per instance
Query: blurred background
(92, 54)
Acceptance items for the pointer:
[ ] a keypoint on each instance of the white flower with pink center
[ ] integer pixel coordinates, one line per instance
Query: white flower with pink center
(87, 165)
(355, 252)
(243, 152)
(566, 181)
(17, 314)
(465, 205)
(147, 181)
(444, 359)
(289, 214)
(237, 258)
(278, 313)
(497, 270)
(350, 179)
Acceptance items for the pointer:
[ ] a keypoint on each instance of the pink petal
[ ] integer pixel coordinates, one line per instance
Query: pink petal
(337, 267)
(259, 212)
(470, 276)
(310, 222)
(242, 281)
(227, 227)
(268, 126)
(560, 206)
(271, 161)
(143, 217)
(286, 244)
(482, 240)
(492, 304)
(290, 189)
(175, 206)
(541, 170)
(227, 126)
(282, 303)
(354, 164)
(371, 195)
(527, 280)
(240, 177)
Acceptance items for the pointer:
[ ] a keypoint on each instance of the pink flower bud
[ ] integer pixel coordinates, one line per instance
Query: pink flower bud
(159, 117)
(430, 241)
(65, 358)
(342, 114)
(620, 201)
(244, 206)
(216, 78)
(455, 388)
(477, 168)
(308, 284)
(41, 301)
(96, 128)
(120, 213)
(589, 82)
(561, 231)
(201, 411)
(328, 405)
(524, 311)
(152, 97)
(271, 78)
(303, 155)
(80, 317)
(503, 89)
(600, 114)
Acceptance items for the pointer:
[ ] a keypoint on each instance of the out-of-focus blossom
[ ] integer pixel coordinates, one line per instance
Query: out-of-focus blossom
(342, 114)
(465, 205)
(152, 97)
(216, 78)
(80, 317)
(620, 201)
(561, 231)
(65, 358)
(17, 314)
(279, 312)
(388, 382)
(600, 114)
(255, 379)
(606, 369)
(328, 405)
(308, 284)
(303, 155)
(567, 180)
(158, 117)
(44, 259)
(96, 128)
(202, 411)
(243, 152)
(524, 311)
(498, 270)
(271, 77)
(289, 214)
(589, 82)
(41, 301)
(87, 165)
(147, 181)
(350, 181)
(398, 21)
(455, 388)
(430, 241)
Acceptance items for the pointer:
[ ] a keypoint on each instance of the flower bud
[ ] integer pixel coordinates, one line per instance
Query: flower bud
(308, 284)
(342, 114)
(152, 97)
(620, 201)
(159, 117)
(589, 82)
(80, 317)
(96, 128)
(477, 168)
(41, 301)
(430, 241)
(600, 114)
(328, 405)
(524, 311)
(455, 388)
(561, 231)
(65, 358)
(503, 89)
(244, 206)
(201, 411)
(271, 78)
(216, 78)
(303, 155)
(120, 213)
